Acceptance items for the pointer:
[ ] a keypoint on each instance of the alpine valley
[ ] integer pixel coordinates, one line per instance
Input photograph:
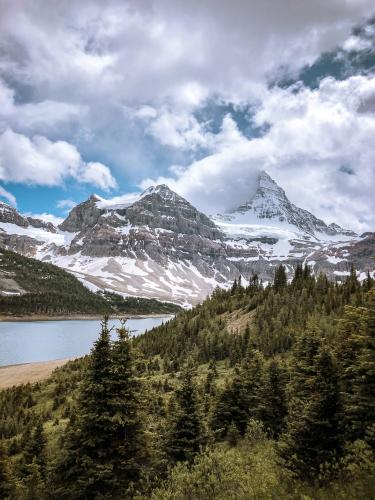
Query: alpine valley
(159, 246)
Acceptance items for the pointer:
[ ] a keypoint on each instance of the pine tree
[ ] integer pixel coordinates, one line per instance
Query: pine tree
(185, 434)
(6, 480)
(127, 438)
(105, 448)
(358, 363)
(280, 280)
(35, 449)
(209, 387)
(298, 276)
(252, 372)
(313, 438)
(234, 286)
(241, 398)
(303, 369)
(84, 469)
(368, 282)
(231, 407)
(274, 404)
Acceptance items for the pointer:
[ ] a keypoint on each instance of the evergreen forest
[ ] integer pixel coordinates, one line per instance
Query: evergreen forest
(44, 289)
(257, 393)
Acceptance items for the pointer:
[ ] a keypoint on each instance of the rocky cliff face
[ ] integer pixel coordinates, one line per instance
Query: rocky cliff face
(159, 245)
(10, 215)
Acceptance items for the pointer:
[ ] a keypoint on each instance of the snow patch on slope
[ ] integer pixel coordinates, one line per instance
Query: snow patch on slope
(61, 238)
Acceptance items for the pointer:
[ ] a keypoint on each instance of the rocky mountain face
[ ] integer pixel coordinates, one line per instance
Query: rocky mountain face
(160, 246)
(10, 215)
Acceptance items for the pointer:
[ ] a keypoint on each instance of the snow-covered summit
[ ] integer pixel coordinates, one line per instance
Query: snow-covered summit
(128, 199)
(269, 206)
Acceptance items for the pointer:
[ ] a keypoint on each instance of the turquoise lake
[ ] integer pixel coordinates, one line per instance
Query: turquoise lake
(29, 341)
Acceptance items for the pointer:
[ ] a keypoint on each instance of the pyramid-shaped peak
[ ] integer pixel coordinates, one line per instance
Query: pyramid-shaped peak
(162, 187)
(265, 181)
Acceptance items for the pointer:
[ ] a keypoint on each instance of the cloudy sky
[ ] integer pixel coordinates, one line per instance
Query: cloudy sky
(110, 96)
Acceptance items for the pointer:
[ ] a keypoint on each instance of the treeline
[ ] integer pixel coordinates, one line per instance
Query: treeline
(278, 314)
(51, 290)
(179, 418)
(53, 303)
(139, 305)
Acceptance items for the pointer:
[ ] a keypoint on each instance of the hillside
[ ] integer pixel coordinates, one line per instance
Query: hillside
(29, 286)
(256, 393)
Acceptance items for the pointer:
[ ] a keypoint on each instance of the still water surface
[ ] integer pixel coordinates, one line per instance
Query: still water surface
(28, 341)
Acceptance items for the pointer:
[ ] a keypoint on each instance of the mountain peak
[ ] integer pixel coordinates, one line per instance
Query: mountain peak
(161, 189)
(9, 214)
(265, 181)
(267, 200)
(269, 205)
(95, 197)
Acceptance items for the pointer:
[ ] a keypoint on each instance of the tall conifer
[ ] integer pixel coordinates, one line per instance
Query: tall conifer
(185, 434)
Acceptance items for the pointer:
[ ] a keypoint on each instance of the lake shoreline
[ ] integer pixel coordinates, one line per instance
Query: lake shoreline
(80, 317)
(24, 373)
(25, 341)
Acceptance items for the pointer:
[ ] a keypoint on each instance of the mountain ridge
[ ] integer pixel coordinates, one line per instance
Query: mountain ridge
(157, 245)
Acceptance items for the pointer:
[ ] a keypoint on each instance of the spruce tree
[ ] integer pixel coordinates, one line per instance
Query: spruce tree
(313, 438)
(126, 436)
(209, 385)
(231, 407)
(105, 448)
(252, 372)
(84, 469)
(358, 363)
(185, 433)
(35, 449)
(241, 399)
(298, 276)
(280, 280)
(274, 405)
(6, 479)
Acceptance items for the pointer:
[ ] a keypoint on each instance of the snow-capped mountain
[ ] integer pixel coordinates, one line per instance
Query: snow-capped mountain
(269, 206)
(157, 244)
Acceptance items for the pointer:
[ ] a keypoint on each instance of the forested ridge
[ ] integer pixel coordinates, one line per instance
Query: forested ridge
(256, 393)
(49, 290)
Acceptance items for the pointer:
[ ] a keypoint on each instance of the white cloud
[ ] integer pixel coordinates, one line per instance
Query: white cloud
(38, 116)
(178, 129)
(149, 50)
(122, 80)
(8, 196)
(67, 204)
(46, 218)
(145, 112)
(43, 162)
(312, 135)
(97, 174)
(356, 44)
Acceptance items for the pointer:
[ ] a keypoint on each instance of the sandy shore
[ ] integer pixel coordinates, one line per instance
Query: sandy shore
(81, 317)
(28, 372)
